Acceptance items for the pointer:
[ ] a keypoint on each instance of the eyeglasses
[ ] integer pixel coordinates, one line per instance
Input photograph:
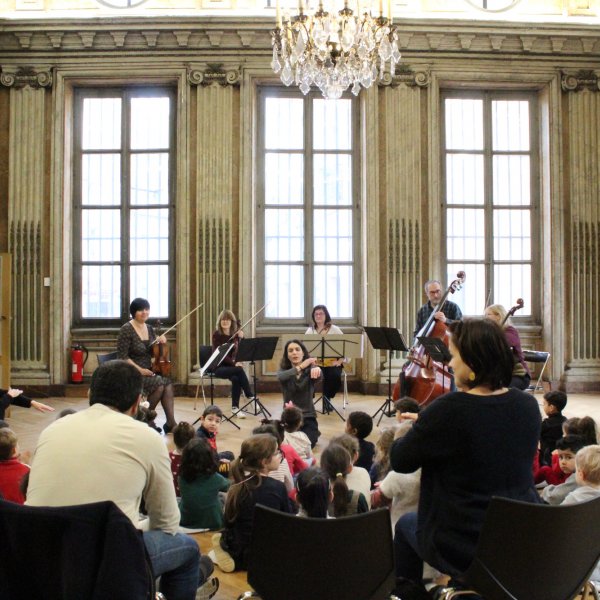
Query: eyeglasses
(281, 456)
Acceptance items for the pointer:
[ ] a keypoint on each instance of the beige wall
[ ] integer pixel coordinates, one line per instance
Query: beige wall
(41, 61)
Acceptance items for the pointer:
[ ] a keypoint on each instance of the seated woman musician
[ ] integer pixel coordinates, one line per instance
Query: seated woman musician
(228, 330)
(297, 375)
(330, 367)
(521, 376)
(134, 345)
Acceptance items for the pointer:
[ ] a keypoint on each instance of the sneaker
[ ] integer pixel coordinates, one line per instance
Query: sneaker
(208, 589)
(223, 559)
(238, 413)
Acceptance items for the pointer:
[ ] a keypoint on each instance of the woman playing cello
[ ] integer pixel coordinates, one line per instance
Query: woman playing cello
(521, 375)
(134, 345)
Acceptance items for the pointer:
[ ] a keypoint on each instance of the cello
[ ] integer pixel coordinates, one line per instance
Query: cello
(423, 378)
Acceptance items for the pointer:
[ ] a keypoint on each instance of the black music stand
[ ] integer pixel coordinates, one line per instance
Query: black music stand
(251, 350)
(390, 339)
(216, 358)
(436, 348)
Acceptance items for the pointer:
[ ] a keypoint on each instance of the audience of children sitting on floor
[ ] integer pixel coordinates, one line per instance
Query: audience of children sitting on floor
(276, 467)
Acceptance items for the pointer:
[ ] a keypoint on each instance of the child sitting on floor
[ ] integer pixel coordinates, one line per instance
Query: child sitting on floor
(183, 433)
(567, 447)
(335, 461)
(291, 419)
(252, 486)
(360, 425)
(210, 422)
(12, 470)
(357, 478)
(587, 474)
(313, 493)
(551, 432)
(404, 407)
(381, 462)
(200, 485)
(282, 472)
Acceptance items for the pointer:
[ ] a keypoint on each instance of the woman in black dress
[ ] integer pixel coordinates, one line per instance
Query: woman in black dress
(134, 346)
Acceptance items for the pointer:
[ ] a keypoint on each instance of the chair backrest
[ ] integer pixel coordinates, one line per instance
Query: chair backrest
(205, 354)
(334, 559)
(89, 551)
(535, 356)
(535, 551)
(102, 358)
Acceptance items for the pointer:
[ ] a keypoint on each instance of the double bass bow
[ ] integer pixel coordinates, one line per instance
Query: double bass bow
(423, 378)
(161, 363)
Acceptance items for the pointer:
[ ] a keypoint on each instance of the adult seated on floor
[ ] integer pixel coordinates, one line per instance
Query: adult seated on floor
(471, 445)
(102, 453)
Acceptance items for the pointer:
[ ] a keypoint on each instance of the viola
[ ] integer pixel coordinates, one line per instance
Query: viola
(161, 365)
(423, 378)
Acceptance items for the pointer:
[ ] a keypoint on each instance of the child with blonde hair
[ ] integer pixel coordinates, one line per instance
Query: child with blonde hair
(252, 485)
(381, 462)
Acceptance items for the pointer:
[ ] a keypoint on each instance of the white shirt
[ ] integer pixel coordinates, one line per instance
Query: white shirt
(358, 480)
(101, 454)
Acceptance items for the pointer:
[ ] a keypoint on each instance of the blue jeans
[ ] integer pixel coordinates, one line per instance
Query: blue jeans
(409, 563)
(176, 559)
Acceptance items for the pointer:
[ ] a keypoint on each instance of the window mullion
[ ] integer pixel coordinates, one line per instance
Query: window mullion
(125, 201)
(309, 214)
(488, 194)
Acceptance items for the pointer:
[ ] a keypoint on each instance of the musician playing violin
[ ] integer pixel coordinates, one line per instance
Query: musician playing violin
(521, 376)
(450, 311)
(228, 330)
(134, 345)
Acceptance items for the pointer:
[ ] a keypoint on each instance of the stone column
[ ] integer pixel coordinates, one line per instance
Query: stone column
(216, 196)
(27, 216)
(583, 189)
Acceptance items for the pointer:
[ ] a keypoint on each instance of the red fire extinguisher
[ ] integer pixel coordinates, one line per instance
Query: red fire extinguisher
(78, 362)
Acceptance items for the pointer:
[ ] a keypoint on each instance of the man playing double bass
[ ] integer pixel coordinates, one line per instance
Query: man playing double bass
(450, 311)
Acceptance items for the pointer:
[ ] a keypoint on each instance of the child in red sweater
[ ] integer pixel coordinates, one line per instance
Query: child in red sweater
(12, 470)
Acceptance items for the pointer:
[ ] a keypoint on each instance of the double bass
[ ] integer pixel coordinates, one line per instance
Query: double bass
(423, 378)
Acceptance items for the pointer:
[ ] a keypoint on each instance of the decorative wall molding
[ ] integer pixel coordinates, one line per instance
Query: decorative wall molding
(405, 75)
(20, 77)
(208, 34)
(586, 79)
(214, 74)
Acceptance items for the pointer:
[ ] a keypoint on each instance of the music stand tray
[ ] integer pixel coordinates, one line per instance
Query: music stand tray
(436, 348)
(250, 350)
(390, 339)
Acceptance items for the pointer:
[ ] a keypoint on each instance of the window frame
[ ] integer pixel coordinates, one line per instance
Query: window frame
(126, 92)
(269, 91)
(488, 95)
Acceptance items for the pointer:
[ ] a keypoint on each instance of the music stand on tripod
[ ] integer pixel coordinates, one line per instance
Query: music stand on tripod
(250, 350)
(216, 358)
(390, 339)
(332, 347)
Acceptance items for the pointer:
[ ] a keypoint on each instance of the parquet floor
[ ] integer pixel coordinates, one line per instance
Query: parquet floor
(29, 423)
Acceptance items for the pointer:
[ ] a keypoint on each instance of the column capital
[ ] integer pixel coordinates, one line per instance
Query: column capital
(213, 74)
(20, 77)
(579, 80)
(408, 77)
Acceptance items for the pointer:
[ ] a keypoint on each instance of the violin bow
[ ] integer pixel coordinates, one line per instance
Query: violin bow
(180, 320)
(248, 321)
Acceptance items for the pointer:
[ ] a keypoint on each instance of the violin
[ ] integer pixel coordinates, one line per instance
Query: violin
(423, 378)
(161, 365)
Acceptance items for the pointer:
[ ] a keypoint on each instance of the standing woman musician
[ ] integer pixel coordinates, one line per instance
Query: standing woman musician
(332, 374)
(228, 326)
(135, 346)
(297, 375)
(521, 376)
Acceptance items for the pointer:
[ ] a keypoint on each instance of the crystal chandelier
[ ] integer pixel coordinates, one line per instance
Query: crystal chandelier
(334, 50)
